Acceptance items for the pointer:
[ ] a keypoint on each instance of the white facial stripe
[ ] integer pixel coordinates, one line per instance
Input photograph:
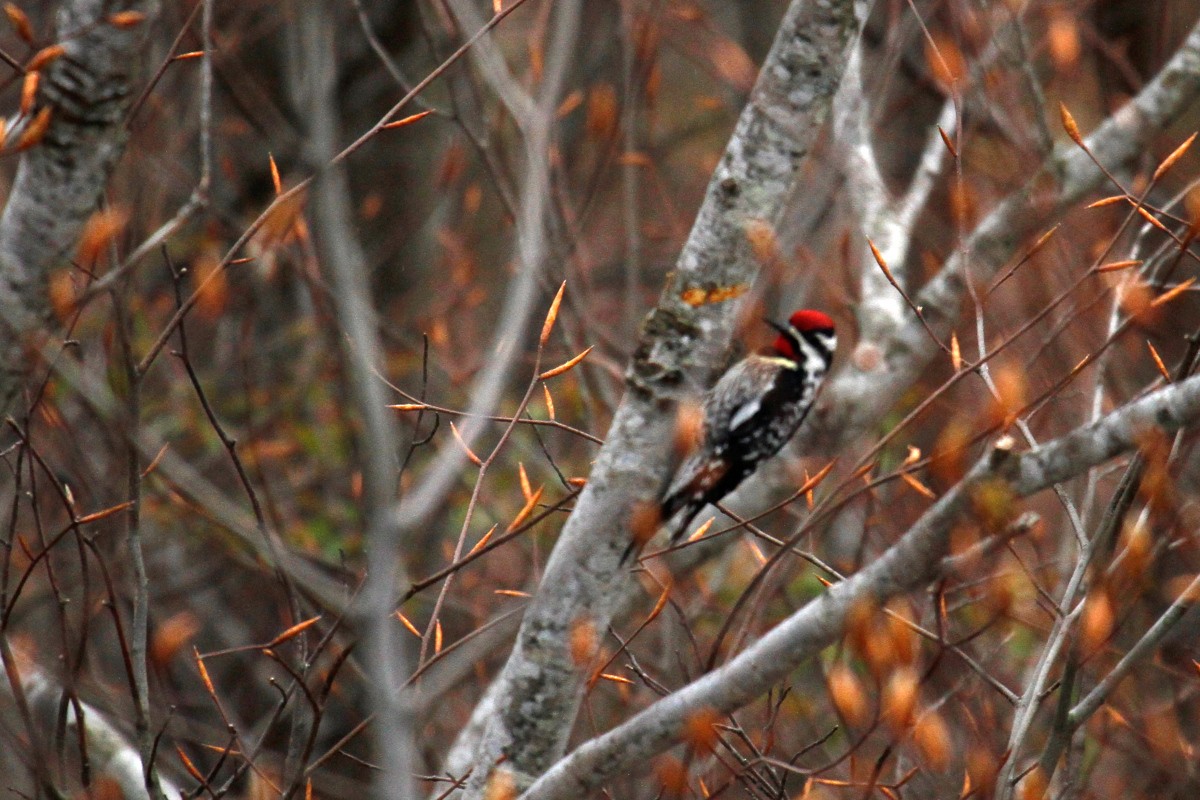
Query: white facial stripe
(815, 360)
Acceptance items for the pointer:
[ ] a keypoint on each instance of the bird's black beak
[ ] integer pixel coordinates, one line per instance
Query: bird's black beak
(776, 326)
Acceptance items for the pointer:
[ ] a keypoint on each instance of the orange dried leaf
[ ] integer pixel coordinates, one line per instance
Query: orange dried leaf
(879, 260)
(571, 102)
(127, 19)
(212, 287)
(552, 315)
(404, 621)
(955, 352)
(815, 480)
(1107, 201)
(1062, 37)
(409, 120)
(1117, 266)
(608, 676)
(19, 21)
(526, 510)
(703, 529)
(1172, 293)
(561, 368)
(474, 459)
(409, 406)
(945, 60)
(756, 551)
(501, 785)
(602, 108)
(673, 777)
(644, 520)
(35, 131)
(437, 637)
(293, 631)
(276, 181)
(900, 698)
(171, 635)
(61, 292)
(44, 57)
(158, 457)
(1069, 125)
(932, 737)
(1170, 160)
(1146, 215)
(483, 540)
(96, 516)
(949, 144)
(549, 402)
(919, 487)
(848, 696)
(523, 476)
(29, 91)
(99, 231)
(1035, 785)
(189, 55)
(511, 593)
(583, 641)
(1158, 362)
(1097, 620)
(699, 729)
(189, 766)
(208, 684)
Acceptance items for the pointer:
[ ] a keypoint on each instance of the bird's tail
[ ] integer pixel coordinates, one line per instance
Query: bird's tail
(677, 504)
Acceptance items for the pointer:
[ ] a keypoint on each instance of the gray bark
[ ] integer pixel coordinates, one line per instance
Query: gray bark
(541, 684)
(59, 181)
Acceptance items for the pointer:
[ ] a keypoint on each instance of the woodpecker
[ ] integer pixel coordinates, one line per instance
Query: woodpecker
(751, 412)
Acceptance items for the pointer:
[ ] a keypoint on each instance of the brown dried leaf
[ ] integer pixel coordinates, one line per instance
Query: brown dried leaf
(561, 368)
(44, 57)
(293, 631)
(552, 315)
(602, 111)
(171, 635)
(1170, 160)
(127, 19)
(526, 510)
(19, 21)
(1097, 621)
(584, 642)
(848, 696)
(932, 737)
(29, 91)
(1172, 293)
(699, 729)
(99, 231)
(899, 699)
(409, 120)
(35, 131)
(1068, 122)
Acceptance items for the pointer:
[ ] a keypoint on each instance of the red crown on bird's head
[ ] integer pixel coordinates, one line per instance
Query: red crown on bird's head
(806, 320)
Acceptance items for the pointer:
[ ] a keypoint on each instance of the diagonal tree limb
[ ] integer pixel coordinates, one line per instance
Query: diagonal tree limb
(59, 181)
(909, 564)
